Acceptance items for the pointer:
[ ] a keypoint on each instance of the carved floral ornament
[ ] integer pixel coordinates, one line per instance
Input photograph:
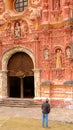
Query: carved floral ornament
(67, 2)
(56, 14)
(35, 14)
(56, 4)
(2, 21)
(35, 3)
(2, 7)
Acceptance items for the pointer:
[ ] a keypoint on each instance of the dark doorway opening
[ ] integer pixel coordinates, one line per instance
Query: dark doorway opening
(28, 86)
(20, 76)
(14, 87)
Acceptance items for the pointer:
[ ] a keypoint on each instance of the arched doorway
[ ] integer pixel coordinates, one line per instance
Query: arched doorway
(20, 76)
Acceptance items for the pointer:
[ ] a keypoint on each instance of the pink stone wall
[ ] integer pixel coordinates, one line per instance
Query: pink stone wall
(43, 35)
(59, 95)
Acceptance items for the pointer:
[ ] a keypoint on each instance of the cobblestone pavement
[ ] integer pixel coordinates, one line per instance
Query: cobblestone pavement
(56, 114)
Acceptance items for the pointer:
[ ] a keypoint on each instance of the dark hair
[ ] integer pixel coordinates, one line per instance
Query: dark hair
(47, 100)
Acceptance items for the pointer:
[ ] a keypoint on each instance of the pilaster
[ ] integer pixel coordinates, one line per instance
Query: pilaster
(3, 83)
(37, 82)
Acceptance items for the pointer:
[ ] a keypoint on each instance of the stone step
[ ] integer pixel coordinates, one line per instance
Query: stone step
(16, 102)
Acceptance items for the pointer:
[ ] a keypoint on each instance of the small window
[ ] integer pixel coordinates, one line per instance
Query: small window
(20, 5)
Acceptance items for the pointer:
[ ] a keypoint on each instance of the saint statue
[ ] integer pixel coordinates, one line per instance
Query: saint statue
(17, 30)
(46, 54)
(68, 52)
(58, 59)
(56, 4)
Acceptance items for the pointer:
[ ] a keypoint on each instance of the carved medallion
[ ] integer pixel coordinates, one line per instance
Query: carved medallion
(2, 21)
(35, 3)
(2, 7)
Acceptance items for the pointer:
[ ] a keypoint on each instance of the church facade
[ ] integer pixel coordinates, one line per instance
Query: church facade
(36, 50)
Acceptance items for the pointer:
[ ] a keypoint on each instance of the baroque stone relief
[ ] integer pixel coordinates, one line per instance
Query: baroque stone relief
(46, 53)
(2, 6)
(17, 30)
(56, 4)
(68, 52)
(35, 14)
(2, 21)
(58, 58)
(57, 15)
(58, 74)
(6, 32)
(35, 3)
(45, 11)
(67, 2)
(56, 12)
(58, 69)
(6, 16)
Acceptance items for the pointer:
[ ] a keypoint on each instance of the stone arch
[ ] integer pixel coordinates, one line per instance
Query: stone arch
(3, 73)
(57, 47)
(5, 58)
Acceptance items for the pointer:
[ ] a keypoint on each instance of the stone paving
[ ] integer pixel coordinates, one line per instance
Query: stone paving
(56, 114)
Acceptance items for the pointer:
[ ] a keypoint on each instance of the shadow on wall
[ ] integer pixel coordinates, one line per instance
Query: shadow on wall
(68, 82)
(46, 83)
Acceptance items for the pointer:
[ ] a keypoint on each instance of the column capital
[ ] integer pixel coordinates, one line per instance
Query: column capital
(3, 71)
(36, 70)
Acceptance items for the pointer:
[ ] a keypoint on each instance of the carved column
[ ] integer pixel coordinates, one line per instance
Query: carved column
(37, 82)
(21, 87)
(36, 53)
(45, 12)
(0, 84)
(3, 84)
(66, 10)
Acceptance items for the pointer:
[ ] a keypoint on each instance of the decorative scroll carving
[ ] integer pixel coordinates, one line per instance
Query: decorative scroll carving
(24, 28)
(45, 12)
(56, 14)
(8, 30)
(71, 45)
(2, 21)
(35, 3)
(58, 74)
(56, 9)
(7, 16)
(56, 4)
(2, 7)
(35, 14)
(67, 2)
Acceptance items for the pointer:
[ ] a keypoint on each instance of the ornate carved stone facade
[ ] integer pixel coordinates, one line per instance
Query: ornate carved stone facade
(44, 31)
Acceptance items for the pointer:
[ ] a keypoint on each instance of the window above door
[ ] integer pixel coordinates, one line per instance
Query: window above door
(20, 5)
